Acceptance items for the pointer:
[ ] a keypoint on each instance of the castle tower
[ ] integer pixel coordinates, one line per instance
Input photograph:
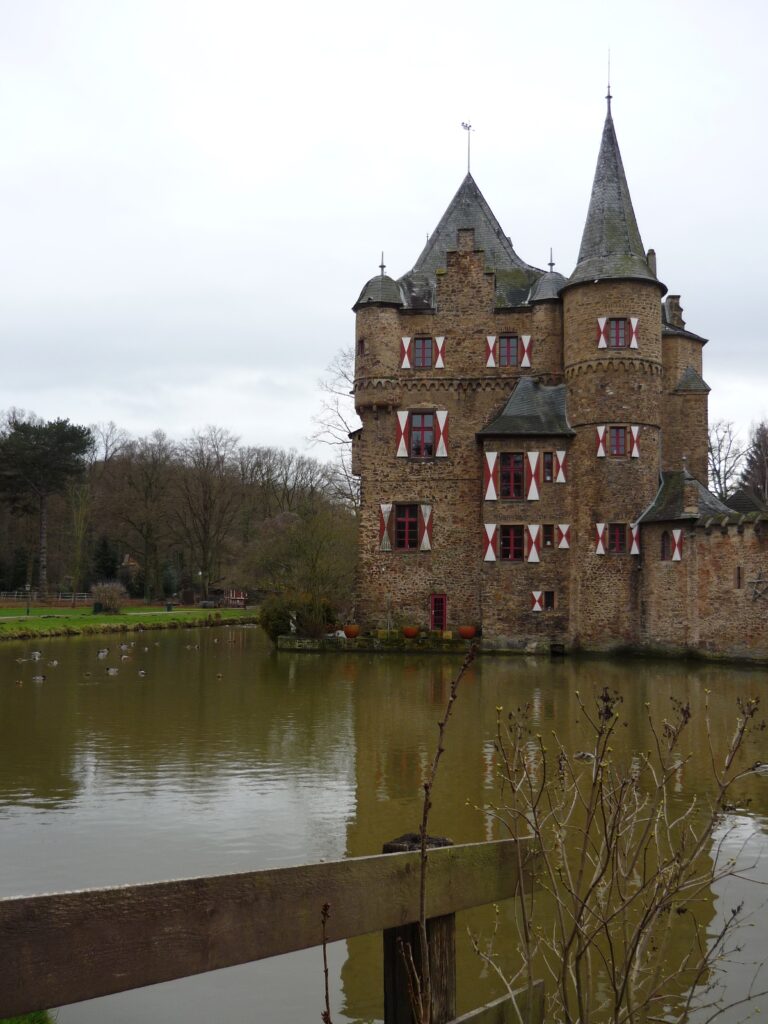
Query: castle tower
(612, 361)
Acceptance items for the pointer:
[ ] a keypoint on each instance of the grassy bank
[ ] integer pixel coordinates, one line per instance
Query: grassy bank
(81, 621)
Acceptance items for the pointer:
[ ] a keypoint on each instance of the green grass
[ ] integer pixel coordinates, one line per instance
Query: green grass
(77, 621)
(38, 1017)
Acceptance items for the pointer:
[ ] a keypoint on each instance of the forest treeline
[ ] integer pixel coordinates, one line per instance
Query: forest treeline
(81, 505)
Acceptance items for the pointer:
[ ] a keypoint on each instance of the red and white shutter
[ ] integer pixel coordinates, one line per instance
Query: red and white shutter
(385, 511)
(601, 532)
(490, 350)
(425, 527)
(441, 434)
(525, 349)
(533, 538)
(561, 467)
(677, 545)
(405, 353)
(491, 542)
(563, 535)
(634, 441)
(602, 332)
(440, 353)
(537, 605)
(633, 322)
(634, 540)
(403, 433)
(490, 476)
(532, 475)
(600, 441)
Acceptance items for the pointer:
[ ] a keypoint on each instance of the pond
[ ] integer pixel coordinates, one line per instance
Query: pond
(205, 752)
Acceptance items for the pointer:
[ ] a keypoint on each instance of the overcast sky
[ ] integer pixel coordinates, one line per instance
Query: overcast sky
(194, 192)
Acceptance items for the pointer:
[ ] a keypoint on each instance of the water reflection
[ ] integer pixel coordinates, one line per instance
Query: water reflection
(207, 752)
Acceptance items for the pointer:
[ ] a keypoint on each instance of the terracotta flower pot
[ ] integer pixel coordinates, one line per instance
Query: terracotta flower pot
(467, 632)
(410, 632)
(351, 631)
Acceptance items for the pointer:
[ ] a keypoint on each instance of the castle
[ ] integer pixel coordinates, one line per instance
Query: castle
(533, 449)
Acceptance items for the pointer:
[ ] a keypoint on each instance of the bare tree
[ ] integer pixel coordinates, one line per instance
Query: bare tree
(337, 419)
(207, 499)
(725, 454)
(755, 475)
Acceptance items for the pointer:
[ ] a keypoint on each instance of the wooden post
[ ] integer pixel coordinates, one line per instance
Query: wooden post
(441, 939)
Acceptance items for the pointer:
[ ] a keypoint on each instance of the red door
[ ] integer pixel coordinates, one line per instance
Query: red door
(438, 611)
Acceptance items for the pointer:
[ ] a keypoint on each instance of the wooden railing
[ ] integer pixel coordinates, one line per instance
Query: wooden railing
(66, 947)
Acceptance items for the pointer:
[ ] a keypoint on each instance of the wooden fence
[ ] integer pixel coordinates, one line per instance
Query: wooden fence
(66, 947)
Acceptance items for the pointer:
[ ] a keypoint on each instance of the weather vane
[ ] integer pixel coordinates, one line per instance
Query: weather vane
(467, 128)
(608, 97)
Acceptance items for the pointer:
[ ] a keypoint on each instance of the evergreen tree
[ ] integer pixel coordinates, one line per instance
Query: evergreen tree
(755, 475)
(37, 460)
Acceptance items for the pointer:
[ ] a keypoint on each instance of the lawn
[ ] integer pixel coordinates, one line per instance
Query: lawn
(63, 621)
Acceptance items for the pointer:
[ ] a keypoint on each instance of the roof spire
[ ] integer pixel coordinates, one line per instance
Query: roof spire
(382, 266)
(611, 246)
(551, 261)
(467, 128)
(608, 96)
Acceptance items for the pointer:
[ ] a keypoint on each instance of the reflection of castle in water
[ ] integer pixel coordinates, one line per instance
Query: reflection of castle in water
(396, 732)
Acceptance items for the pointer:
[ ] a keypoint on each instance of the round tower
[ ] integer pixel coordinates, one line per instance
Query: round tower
(613, 370)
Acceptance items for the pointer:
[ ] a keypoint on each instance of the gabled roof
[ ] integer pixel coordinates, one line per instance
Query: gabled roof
(532, 408)
(669, 503)
(468, 209)
(611, 246)
(744, 500)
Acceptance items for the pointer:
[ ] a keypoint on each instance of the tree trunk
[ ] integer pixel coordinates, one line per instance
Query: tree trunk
(43, 585)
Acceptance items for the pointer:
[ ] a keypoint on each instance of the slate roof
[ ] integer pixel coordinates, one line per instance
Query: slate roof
(745, 501)
(669, 330)
(381, 291)
(547, 287)
(669, 501)
(469, 209)
(691, 380)
(532, 408)
(611, 246)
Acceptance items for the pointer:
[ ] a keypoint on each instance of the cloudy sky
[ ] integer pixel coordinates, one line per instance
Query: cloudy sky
(194, 192)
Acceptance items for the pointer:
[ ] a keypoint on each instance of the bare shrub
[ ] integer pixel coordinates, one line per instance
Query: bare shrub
(110, 595)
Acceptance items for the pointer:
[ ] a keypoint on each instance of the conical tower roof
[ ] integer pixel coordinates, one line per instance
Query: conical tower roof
(611, 246)
(468, 209)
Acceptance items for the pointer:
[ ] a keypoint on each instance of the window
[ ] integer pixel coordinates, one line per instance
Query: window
(406, 527)
(549, 600)
(617, 441)
(511, 475)
(438, 611)
(422, 353)
(361, 347)
(548, 469)
(548, 535)
(739, 578)
(508, 350)
(422, 435)
(511, 546)
(617, 332)
(666, 546)
(617, 538)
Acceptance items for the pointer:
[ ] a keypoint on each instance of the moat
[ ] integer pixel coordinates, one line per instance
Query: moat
(207, 752)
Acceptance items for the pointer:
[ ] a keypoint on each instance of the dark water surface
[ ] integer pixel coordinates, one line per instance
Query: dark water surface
(225, 756)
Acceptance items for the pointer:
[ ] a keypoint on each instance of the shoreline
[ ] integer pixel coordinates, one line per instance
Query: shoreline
(54, 625)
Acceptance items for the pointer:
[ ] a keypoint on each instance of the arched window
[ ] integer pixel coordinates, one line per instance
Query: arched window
(666, 546)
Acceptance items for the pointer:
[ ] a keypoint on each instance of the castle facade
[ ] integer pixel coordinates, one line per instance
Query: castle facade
(533, 450)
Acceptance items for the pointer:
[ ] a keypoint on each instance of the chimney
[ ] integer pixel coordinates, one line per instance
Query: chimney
(673, 311)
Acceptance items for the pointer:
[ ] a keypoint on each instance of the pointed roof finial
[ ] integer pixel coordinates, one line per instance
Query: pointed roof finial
(382, 266)
(551, 261)
(608, 96)
(467, 128)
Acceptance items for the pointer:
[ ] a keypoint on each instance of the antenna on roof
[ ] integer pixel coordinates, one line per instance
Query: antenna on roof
(467, 128)
(551, 261)
(382, 266)
(608, 96)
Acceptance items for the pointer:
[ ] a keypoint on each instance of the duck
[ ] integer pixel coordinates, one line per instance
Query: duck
(38, 679)
(111, 671)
